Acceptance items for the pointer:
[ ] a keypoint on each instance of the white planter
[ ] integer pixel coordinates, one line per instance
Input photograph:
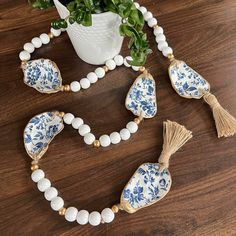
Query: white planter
(97, 43)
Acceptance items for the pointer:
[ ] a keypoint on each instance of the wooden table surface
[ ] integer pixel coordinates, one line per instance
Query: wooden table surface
(202, 199)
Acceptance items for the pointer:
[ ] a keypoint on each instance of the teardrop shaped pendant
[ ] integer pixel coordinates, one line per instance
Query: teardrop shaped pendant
(141, 98)
(42, 75)
(186, 81)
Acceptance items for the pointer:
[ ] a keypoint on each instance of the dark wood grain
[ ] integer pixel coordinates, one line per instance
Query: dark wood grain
(202, 199)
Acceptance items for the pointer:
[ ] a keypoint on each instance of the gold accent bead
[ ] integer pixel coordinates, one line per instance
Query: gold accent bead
(171, 57)
(23, 63)
(67, 88)
(51, 36)
(137, 121)
(156, 26)
(61, 114)
(96, 143)
(62, 211)
(34, 167)
(115, 209)
(105, 68)
(142, 69)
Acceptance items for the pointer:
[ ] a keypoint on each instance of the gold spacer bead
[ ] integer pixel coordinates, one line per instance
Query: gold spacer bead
(51, 36)
(61, 113)
(137, 121)
(34, 167)
(115, 209)
(155, 26)
(171, 57)
(105, 68)
(142, 69)
(62, 211)
(23, 63)
(96, 143)
(66, 88)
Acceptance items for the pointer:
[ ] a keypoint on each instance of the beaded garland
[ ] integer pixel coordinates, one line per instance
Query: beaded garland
(152, 181)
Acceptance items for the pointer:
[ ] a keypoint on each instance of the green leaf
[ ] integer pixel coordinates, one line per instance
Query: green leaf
(87, 20)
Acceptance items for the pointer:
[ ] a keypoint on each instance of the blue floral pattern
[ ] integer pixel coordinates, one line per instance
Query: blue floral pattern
(42, 75)
(187, 82)
(148, 185)
(141, 98)
(40, 131)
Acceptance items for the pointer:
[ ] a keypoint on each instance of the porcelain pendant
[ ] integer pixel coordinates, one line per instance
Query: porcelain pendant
(42, 75)
(141, 98)
(187, 82)
(40, 131)
(149, 184)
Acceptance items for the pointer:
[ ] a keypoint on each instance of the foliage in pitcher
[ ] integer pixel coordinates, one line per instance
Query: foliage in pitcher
(132, 21)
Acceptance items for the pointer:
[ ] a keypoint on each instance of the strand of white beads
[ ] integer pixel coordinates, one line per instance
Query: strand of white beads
(71, 214)
(158, 32)
(105, 140)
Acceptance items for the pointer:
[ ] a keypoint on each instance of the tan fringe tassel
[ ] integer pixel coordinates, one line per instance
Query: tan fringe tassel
(175, 136)
(225, 123)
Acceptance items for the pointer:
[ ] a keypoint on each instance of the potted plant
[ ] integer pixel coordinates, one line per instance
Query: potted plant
(96, 28)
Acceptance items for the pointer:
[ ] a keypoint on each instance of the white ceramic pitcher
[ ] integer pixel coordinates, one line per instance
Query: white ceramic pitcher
(97, 43)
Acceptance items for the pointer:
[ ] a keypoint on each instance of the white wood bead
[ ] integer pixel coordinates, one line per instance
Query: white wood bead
(167, 51)
(132, 127)
(29, 47)
(92, 77)
(94, 218)
(115, 138)
(57, 203)
(111, 64)
(124, 134)
(77, 122)
(147, 15)
(37, 175)
(75, 86)
(136, 5)
(89, 138)
(119, 60)
(126, 61)
(44, 38)
(160, 37)
(100, 72)
(152, 22)
(105, 140)
(36, 41)
(55, 32)
(136, 68)
(143, 9)
(107, 215)
(50, 193)
(82, 217)
(85, 83)
(43, 184)
(71, 214)
(24, 56)
(161, 45)
(84, 129)
(68, 118)
(158, 30)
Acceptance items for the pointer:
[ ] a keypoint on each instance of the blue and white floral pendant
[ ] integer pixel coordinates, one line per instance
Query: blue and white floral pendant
(42, 75)
(149, 184)
(40, 131)
(187, 82)
(141, 98)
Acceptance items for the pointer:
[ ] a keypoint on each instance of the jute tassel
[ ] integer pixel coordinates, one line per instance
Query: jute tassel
(175, 136)
(225, 123)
